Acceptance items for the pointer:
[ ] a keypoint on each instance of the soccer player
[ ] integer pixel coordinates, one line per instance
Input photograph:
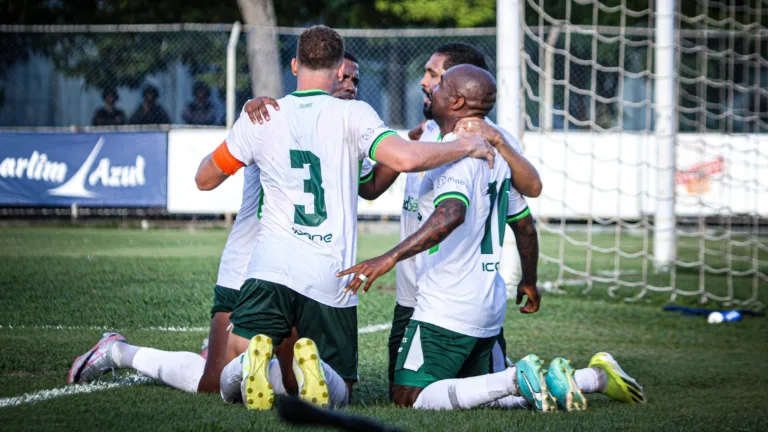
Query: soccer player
(444, 358)
(309, 155)
(187, 371)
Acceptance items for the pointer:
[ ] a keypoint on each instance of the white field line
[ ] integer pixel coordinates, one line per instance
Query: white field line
(365, 330)
(44, 395)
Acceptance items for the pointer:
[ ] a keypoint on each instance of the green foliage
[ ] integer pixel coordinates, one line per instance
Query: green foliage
(442, 13)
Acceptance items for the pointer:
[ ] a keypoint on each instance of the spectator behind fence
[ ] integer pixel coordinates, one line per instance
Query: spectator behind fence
(109, 114)
(200, 111)
(149, 112)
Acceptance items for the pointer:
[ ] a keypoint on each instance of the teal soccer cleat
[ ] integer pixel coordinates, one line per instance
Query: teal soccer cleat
(563, 388)
(532, 385)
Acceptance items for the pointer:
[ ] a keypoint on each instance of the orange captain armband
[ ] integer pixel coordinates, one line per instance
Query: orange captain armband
(225, 161)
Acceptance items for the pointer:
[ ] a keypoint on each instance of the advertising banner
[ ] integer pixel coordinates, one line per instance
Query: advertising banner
(87, 169)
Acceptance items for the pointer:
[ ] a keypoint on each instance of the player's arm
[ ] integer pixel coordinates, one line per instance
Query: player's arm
(229, 156)
(408, 156)
(527, 240)
(525, 177)
(216, 168)
(378, 181)
(448, 216)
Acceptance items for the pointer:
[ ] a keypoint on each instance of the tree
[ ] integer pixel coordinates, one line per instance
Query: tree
(262, 47)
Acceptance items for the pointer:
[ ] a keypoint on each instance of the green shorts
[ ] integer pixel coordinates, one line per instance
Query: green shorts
(430, 353)
(274, 310)
(400, 319)
(224, 299)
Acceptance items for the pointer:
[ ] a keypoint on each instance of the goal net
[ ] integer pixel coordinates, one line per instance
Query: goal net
(648, 122)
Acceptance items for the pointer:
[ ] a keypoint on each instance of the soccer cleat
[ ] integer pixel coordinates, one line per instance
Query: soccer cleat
(563, 388)
(255, 388)
(621, 386)
(532, 384)
(309, 373)
(95, 362)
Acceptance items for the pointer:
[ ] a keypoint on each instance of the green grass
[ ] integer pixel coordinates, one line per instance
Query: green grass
(697, 376)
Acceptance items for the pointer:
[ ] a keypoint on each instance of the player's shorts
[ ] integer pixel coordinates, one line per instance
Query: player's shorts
(429, 353)
(400, 319)
(224, 299)
(274, 310)
(499, 360)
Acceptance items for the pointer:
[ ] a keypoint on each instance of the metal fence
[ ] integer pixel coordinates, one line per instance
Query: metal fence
(57, 76)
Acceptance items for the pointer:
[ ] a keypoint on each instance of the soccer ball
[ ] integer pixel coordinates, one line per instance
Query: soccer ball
(715, 318)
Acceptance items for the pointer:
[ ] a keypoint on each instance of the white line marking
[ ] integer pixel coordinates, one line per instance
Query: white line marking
(364, 330)
(44, 395)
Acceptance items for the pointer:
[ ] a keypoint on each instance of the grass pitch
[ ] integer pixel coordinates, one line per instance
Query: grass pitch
(60, 286)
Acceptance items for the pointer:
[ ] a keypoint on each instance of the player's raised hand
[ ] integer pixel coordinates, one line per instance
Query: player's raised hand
(479, 126)
(534, 298)
(481, 149)
(257, 108)
(367, 272)
(415, 133)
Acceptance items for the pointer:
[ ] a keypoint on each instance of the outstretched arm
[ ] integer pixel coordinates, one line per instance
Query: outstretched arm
(448, 216)
(528, 248)
(525, 178)
(381, 179)
(408, 156)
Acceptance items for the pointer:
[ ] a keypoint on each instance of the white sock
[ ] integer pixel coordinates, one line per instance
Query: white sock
(509, 402)
(180, 370)
(591, 380)
(123, 354)
(466, 393)
(337, 388)
(229, 382)
(276, 378)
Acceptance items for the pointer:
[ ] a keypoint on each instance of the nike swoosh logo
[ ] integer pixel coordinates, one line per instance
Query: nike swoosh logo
(536, 395)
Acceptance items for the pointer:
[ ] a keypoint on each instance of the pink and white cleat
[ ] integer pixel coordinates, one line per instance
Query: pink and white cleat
(95, 362)
(204, 349)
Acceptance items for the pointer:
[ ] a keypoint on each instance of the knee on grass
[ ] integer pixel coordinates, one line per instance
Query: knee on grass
(405, 396)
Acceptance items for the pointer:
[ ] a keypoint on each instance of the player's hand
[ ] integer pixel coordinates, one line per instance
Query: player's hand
(481, 149)
(479, 126)
(415, 133)
(534, 298)
(257, 108)
(370, 270)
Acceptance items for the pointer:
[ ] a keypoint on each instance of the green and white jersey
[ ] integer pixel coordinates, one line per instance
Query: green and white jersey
(410, 220)
(237, 251)
(310, 155)
(459, 287)
(409, 224)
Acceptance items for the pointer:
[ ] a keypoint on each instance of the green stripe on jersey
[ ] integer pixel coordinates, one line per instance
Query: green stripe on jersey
(452, 195)
(434, 249)
(372, 151)
(517, 217)
(367, 178)
(302, 93)
(261, 204)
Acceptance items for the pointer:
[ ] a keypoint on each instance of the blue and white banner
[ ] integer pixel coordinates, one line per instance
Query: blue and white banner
(104, 170)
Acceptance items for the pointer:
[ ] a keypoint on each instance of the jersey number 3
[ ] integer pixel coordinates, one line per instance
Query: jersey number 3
(313, 185)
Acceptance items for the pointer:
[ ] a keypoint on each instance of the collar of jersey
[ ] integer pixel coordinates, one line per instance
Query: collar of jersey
(303, 93)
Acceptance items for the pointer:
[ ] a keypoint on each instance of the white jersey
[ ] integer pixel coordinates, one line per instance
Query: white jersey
(409, 224)
(237, 251)
(310, 155)
(409, 219)
(459, 287)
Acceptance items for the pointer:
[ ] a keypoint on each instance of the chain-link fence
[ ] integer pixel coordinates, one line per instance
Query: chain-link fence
(62, 76)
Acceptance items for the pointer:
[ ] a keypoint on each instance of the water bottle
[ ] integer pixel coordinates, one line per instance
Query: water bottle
(732, 316)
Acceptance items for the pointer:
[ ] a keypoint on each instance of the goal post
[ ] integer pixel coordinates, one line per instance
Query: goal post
(648, 122)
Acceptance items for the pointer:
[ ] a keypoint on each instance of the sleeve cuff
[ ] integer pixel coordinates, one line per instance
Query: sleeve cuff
(372, 151)
(452, 195)
(367, 178)
(518, 216)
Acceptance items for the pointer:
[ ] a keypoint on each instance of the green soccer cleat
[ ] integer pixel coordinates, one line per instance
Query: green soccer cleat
(532, 385)
(621, 386)
(563, 387)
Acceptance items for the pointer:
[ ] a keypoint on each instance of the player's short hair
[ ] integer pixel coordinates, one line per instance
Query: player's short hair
(319, 48)
(348, 55)
(458, 53)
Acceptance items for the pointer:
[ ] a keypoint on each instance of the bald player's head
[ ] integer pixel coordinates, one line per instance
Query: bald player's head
(463, 91)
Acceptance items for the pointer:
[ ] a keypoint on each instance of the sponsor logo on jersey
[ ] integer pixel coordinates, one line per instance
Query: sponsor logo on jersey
(490, 266)
(325, 238)
(305, 105)
(443, 180)
(411, 204)
(368, 133)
